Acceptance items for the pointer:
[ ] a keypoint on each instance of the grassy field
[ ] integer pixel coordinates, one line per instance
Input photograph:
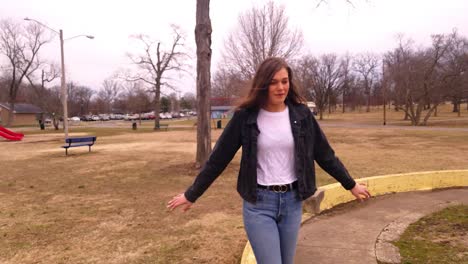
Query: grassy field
(437, 238)
(445, 117)
(109, 206)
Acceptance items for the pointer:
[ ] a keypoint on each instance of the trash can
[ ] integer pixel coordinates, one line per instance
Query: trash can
(41, 124)
(134, 125)
(218, 124)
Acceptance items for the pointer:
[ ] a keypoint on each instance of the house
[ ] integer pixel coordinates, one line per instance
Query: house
(221, 112)
(23, 114)
(222, 107)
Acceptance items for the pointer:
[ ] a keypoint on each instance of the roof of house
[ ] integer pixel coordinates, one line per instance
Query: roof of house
(221, 108)
(21, 108)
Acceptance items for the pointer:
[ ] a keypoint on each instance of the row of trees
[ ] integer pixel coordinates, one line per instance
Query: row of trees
(114, 96)
(413, 78)
(27, 77)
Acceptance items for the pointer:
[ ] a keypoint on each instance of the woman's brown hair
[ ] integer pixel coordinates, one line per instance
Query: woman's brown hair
(258, 93)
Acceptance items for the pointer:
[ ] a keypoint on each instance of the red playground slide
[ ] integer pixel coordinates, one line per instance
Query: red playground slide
(10, 135)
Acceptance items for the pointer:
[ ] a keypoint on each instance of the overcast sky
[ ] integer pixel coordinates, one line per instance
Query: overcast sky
(371, 25)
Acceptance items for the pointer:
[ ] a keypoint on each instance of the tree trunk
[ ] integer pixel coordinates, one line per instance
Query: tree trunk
(344, 96)
(406, 113)
(455, 105)
(368, 102)
(428, 115)
(203, 40)
(321, 109)
(56, 123)
(11, 114)
(157, 108)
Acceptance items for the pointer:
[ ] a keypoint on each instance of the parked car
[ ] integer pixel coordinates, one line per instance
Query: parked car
(147, 116)
(129, 117)
(118, 116)
(87, 118)
(104, 117)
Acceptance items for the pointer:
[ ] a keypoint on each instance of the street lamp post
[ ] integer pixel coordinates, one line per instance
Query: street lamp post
(63, 85)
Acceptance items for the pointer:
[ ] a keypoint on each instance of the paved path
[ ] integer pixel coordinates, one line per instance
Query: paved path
(348, 233)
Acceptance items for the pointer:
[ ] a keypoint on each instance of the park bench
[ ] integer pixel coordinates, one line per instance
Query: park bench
(79, 142)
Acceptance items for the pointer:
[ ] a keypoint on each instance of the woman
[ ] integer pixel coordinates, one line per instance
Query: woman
(280, 140)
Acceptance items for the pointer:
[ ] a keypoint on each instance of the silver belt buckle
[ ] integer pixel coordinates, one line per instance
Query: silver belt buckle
(280, 188)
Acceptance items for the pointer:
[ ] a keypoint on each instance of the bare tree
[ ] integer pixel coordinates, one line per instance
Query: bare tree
(326, 81)
(419, 77)
(227, 84)
(48, 73)
(138, 101)
(263, 32)
(454, 67)
(79, 100)
(203, 40)
(366, 65)
(321, 79)
(347, 78)
(109, 91)
(188, 101)
(54, 103)
(156, 63)
(20, 45)
(3, 90)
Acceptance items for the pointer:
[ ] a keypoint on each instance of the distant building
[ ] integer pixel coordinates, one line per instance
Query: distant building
(222, 107)
(23, 114)
(221, 112)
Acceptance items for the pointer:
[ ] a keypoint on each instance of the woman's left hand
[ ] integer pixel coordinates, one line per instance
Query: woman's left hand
(360, 192)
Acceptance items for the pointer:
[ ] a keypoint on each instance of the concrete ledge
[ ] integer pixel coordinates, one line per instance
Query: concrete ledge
(378, 185)
(335, 194)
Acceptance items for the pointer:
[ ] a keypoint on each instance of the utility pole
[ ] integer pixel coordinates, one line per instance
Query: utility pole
(384, 88)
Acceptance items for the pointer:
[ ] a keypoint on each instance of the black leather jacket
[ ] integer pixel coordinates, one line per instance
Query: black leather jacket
(309, 142)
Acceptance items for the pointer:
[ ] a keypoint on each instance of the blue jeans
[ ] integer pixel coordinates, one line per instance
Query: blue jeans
(272, 225)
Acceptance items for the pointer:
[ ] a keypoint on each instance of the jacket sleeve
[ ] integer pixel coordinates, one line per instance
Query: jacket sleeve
(226, 147)
(326, 159)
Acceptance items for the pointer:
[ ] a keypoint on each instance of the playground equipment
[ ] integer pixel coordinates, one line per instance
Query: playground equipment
(10, 135)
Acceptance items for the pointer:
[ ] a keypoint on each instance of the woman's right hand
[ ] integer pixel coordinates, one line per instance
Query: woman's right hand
(179, 200)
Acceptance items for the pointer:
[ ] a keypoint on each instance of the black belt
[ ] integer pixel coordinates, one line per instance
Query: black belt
(281, 188)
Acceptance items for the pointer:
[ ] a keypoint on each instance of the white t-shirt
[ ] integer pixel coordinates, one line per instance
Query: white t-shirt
(275, 148)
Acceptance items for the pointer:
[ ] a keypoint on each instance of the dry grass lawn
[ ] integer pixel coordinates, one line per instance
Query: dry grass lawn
(109, 206)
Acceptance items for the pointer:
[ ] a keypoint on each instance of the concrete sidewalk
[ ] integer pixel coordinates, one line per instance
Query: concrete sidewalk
(348, 234)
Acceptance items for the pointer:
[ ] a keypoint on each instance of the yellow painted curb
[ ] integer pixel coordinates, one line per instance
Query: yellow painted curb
(335, 194)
